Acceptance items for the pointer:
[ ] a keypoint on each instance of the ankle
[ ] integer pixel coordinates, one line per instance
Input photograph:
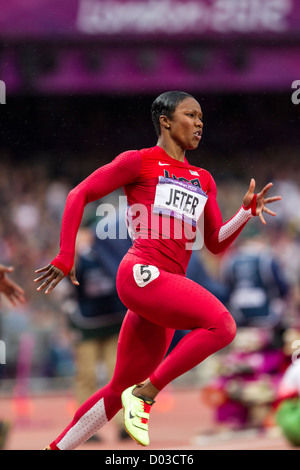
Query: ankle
(146, 390)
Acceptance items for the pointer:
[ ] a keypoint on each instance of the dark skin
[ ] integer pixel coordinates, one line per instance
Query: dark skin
(12, 291)
(179, 133)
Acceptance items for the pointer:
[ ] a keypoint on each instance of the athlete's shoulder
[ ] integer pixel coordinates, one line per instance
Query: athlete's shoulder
(151, 160)
(210, 182)
(151, 152)
(129, 158)
(128, 163)
(128, 154)
(206, 174)
(206, 178)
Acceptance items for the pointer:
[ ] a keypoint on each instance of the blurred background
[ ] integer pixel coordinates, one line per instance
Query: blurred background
(80, 78)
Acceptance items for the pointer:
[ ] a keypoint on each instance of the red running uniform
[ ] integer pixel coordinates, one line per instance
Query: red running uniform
(167, 200)
(151, 179)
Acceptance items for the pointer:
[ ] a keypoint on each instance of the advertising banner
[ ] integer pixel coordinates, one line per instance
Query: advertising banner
(110, 18)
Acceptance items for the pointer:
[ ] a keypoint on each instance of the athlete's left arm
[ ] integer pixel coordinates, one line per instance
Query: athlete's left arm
(218, 235)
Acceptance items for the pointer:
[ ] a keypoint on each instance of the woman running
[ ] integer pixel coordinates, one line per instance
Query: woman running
(167, 200)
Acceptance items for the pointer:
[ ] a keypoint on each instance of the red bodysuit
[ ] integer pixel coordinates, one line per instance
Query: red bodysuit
(167, 200)
(151, 178)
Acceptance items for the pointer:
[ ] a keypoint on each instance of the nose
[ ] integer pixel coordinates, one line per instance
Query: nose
(199, 123)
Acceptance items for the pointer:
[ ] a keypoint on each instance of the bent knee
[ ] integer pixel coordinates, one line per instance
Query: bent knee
(226, 327)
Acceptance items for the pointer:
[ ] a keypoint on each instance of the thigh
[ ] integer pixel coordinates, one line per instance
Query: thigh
(167, 299)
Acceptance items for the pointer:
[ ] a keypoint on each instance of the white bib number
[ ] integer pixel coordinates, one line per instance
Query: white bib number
(144, 273)
(178, 199)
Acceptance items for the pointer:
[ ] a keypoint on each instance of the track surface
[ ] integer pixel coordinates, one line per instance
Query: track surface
(179, 420)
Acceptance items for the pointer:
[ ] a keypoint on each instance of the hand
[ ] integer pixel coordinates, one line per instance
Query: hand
(53, 276)
(11, 290)
(260, 200)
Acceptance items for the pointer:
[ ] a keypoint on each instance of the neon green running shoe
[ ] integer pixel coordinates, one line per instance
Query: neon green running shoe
(136, 415)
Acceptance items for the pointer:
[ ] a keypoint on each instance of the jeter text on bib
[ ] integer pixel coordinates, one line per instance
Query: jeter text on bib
(179, 199)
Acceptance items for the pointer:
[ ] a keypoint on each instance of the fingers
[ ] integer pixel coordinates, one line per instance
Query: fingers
(50, 282)
(72, 276)
(262, 218)
(17, 289)
(250, 193)
(13, 292)
(43, 276)
(48, 270)
(15, 297)
(52, 285)
(251, 186)
(268, 211)
(272, 199)
(52, 276)
(265, 190)
(45, 268)
(49, 278)
(74, 281)
(261, 201)
(6, 269)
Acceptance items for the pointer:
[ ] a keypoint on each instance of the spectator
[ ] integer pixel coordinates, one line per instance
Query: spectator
(257, 284)
(15, 295)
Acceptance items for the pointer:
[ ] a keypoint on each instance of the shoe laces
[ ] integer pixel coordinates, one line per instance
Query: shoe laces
(147, 408)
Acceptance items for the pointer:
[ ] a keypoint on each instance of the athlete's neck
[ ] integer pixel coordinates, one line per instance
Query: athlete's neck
(172, 149)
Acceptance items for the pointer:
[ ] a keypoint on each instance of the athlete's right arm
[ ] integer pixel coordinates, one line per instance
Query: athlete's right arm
(124, 169)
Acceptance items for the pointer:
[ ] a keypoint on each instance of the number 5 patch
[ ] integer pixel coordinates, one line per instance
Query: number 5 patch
(144, 273)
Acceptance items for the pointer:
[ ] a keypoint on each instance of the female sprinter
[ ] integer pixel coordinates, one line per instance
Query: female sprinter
(151, 280)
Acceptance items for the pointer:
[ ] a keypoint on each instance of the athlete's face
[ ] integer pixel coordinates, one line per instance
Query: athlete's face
(186, 124)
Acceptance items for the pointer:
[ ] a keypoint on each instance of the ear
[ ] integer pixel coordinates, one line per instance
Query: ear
(164, 121)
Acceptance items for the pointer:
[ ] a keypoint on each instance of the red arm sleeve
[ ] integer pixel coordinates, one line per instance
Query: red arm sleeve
(218, 235)
(123, 170)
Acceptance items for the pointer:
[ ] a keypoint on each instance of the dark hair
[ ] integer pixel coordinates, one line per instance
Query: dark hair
(165, 104)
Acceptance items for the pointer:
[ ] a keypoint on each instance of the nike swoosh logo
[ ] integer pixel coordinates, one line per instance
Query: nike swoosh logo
(130, 414)
(163, 164)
